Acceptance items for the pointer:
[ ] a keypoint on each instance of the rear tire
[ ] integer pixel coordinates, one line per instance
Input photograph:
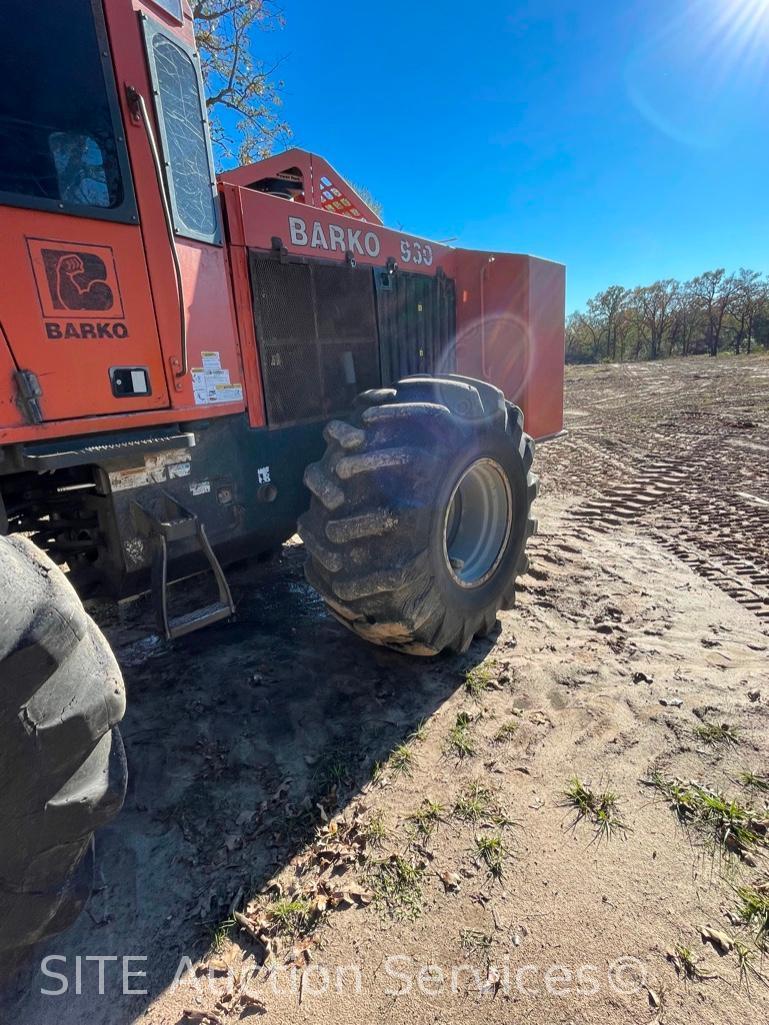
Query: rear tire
(62, 764)
(420, 513)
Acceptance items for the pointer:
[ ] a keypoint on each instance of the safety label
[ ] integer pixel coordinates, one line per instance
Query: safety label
(158, 467)
(211, 382)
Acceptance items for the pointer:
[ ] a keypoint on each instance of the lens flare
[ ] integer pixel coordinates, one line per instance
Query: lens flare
(700, 72)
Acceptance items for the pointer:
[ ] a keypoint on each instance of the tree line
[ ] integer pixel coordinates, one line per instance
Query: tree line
(712, 313)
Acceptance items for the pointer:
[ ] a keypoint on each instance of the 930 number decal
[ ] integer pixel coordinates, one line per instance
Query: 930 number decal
(416, 252)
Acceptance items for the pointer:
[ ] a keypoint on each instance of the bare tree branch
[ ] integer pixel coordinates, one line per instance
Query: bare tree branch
(243, 97)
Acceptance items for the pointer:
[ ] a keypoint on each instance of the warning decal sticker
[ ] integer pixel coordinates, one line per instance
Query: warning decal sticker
(158, 467)
(211, 383)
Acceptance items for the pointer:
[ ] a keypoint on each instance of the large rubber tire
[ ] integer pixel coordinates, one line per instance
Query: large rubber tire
(62, 764)
(376, 529)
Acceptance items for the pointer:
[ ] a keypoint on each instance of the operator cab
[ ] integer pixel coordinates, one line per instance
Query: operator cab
(102, 243)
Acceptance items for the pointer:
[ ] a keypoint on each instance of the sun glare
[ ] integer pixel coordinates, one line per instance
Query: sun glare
(746, 23)
(700, 69)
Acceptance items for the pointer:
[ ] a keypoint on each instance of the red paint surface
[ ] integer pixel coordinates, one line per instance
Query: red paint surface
(314, 172)
(510, 308)
(510, 330)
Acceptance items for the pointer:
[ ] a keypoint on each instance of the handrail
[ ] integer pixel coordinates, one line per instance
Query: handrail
(136, 101)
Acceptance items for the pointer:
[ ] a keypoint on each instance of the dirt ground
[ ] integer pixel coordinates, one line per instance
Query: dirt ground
(393, 836)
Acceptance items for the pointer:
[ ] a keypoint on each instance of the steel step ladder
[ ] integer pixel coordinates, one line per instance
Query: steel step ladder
(167, 523)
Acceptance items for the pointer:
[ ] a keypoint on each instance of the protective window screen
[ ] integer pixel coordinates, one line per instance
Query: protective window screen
(184, 138)
(57, 138)
(317, 334)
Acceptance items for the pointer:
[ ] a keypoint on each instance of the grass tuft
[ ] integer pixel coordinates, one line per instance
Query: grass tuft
(746, 963)
(426, 818)
(333, 771)
(598, 808)
(722, 822)
(374, 831)
(478, 679)
(292, 916)
(754, 781)
(712, 733)
(419, 733)
(460, 742)
(506, 732)
(686, 964)
(401, 761)
(492, 852)
(754, 910)
(221, 934)
(474, 940)
(474, 803)
(397, 887)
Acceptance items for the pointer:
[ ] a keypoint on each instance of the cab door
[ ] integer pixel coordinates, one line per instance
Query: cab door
(75, 301)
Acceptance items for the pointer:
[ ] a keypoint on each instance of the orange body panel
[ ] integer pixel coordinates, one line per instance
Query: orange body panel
(510, 308)
(74, 371)
(241, 285)
(317, 234)
(207, 299)
(46, 318)
(79, 296)
(510, 330)
(324, 187)
(9, 412)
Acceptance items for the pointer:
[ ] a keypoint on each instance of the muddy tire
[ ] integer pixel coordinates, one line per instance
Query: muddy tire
(420, 513)
(62, 764)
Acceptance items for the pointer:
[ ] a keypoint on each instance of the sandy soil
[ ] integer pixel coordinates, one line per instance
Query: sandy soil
(261, 751)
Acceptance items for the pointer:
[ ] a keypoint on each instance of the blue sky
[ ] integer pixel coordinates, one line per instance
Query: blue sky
(626, 139)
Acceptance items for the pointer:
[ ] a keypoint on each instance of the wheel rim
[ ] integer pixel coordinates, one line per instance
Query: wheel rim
(478, 522)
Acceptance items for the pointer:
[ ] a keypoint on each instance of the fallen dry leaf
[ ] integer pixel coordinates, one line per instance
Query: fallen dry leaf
(355, 895)
(251, 1005)
(201, 1017)
(361, 894)
(246, 923)
(491, 983)
(451, 880)
(215, 965)
(273, 885)
(720, 940)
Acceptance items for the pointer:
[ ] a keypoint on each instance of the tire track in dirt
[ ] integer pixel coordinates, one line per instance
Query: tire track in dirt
(701, 489)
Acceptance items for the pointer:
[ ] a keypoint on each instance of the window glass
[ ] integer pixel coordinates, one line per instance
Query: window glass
(80, 172)
(57, 137)
(185, 139)
(174, 7)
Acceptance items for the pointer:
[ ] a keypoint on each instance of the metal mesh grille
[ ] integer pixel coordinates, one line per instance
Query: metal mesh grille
(345, 303)
(317, 333)
(417, 324)
(347, 370)
(283, 300)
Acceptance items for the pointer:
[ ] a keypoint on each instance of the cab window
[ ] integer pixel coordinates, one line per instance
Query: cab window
(178, 91)
(60, 145)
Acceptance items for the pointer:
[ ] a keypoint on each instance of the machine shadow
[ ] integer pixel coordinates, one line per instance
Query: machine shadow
(234, 737)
